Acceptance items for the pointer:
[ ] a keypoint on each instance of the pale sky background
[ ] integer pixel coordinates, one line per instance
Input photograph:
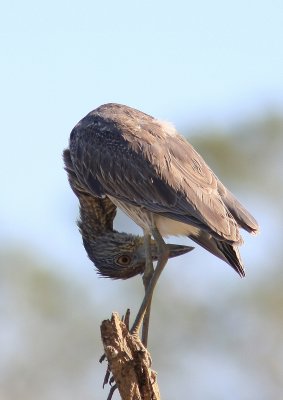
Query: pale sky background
(192, 63)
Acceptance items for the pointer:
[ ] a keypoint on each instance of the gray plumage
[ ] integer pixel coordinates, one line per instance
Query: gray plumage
(147, 169)
(116, 255)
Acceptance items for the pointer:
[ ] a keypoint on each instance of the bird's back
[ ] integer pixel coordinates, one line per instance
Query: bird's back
(136, 159)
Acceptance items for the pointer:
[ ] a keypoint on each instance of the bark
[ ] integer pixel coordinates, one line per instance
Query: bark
(128, 361)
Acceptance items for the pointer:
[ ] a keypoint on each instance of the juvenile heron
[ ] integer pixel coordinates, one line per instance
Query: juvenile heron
(116, 255)
(156, 177)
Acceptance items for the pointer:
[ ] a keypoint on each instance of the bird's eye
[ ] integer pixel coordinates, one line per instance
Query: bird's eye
(123, 259)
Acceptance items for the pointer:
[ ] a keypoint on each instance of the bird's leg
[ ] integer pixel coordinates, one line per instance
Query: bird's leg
(148, 273)
(162, 260)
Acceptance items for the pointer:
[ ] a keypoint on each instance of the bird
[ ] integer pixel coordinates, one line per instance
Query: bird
(149, 171)
(116, 255)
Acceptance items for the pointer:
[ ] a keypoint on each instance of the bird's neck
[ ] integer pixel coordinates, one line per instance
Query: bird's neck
(96, 217)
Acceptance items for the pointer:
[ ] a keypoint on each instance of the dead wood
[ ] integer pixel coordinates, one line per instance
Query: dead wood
(128, 361)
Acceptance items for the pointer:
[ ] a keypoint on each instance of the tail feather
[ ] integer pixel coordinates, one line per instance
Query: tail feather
(225, 251)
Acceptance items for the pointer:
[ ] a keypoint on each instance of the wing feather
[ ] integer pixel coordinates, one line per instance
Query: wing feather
(124, 153)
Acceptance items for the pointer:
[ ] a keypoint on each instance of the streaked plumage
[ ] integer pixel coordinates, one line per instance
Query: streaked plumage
(115, 254)
(149, 171)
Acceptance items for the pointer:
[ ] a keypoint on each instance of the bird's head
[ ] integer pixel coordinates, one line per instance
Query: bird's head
(121, 256)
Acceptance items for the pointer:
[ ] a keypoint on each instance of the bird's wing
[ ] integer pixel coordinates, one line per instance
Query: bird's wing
(99, 212)
(241, 215)
(138, 160)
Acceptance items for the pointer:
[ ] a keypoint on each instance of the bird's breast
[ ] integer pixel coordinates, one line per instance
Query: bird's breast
(165, 226)
(170, 227)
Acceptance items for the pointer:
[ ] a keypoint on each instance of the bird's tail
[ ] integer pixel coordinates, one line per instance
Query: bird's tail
(223, 250)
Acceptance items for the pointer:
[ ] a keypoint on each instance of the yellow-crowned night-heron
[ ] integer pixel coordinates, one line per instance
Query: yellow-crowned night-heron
(156, 177)
(116, 255)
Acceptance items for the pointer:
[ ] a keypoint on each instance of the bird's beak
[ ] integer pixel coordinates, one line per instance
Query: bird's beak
(139, 262)
(175, 250)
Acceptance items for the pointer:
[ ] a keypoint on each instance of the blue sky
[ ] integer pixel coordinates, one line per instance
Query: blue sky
(192, 63)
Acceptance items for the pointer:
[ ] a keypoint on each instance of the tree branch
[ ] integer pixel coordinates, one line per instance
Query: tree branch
(129, 361)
